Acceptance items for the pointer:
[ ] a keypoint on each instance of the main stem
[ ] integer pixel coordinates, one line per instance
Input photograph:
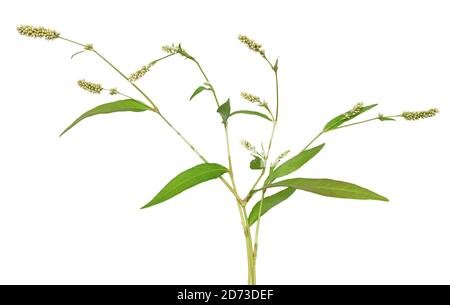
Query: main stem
(251, 272)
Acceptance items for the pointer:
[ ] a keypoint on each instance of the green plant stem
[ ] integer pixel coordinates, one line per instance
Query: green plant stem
(251, 280)
(275, 121)
(71, 41)
(344, 126)
(207, 80)
(192, 147)
(127, 96)
(365, 121)
(227, 137)
(255, 247)
(249, 247)
(248, 197)
(155, 109)
(313, 140)
(278, 95)
(162, 58)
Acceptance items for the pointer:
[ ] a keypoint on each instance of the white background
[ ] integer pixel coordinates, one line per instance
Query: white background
(69, 207)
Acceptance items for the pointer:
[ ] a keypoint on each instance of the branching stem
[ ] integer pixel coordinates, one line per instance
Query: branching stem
(227, 137)
(155, 109)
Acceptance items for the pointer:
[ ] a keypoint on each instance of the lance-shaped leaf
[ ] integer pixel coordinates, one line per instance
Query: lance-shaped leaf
(250, 112)
(268, 203)
(197, 91)
(294, 163)
(330, 188)
(187, 179)
(345, 117)
(225, 110)
(117, 106)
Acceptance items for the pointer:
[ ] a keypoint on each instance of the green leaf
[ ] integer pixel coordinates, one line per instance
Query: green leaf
(225, 111)
(330, 188)
(268, 203)
(257, 163)
(117, 106)
(294, 163)
(187, 179)
(197, 91)
(262, 115)
(341, 119)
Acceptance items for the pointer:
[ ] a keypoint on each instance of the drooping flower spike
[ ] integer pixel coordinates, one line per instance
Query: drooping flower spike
(251, 98)
(89, 86)
(37, 32)
(248, 146)
(280, 157)
(252, 45)
(417, 115)
(176, 49)
(141, 72)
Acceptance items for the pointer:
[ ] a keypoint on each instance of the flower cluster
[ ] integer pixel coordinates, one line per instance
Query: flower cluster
(280, 157)
(141, 72)
(249, 146)
(91, 87)
(37, 32)
(113, 91)
(176, 49)
(172, 49)
(253, 99)
(355, 111)
(417, 115)
(252, 45)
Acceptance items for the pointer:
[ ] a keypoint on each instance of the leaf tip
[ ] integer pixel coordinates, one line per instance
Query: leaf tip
(145, 206)
(62, 133)
(381, 198)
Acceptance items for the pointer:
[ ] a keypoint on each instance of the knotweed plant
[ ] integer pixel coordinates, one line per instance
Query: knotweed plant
(271, 186)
